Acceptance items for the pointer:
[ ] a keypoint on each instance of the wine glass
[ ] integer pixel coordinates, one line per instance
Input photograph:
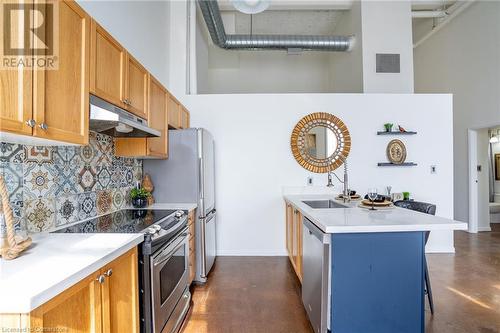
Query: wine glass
(372, 195)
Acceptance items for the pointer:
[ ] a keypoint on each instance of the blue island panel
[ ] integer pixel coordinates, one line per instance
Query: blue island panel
(377, 283)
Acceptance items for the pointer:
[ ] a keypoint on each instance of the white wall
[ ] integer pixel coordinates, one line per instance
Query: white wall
(387, 28)
(254, 161)
(346, 68)
(463, 58)
(142, 27)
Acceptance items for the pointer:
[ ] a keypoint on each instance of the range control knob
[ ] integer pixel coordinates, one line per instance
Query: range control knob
(179, 213)
(153, 229)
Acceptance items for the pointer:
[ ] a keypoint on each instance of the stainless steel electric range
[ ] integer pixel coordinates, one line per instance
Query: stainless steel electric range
(163, 262)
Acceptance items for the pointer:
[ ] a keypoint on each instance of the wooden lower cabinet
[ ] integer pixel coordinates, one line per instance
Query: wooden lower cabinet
(105, 301)
(294, 238)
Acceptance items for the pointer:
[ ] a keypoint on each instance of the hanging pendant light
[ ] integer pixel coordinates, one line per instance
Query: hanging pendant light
(251, 6)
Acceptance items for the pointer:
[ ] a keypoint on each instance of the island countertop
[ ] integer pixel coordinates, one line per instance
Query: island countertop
(353, 219)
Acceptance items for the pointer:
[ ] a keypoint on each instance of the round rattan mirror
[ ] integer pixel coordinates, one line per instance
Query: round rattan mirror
(320, 142)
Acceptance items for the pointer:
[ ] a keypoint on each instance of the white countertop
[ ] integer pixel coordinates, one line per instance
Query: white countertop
(55, 262)
(355, 219)
(183, 206)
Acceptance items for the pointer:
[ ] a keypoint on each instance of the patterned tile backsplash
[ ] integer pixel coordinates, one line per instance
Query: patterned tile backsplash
(53, 186)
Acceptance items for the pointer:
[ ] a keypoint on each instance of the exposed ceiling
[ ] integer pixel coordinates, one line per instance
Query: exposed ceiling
(300, 22)
(315, 17)
(225, 5)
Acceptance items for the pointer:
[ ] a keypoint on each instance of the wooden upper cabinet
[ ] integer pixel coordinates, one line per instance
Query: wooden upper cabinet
(107, 67)
(184, 118)
(120, 295)
(77, 309)
(174, 112)
(136, 88)
(16, 96)
(158, 119)
(61, 96)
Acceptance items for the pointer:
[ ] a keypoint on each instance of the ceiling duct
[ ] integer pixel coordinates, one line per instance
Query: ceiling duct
(211, 14)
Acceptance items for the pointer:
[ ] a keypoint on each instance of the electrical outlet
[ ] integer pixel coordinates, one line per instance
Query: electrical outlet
(309, 181)
(433, 169)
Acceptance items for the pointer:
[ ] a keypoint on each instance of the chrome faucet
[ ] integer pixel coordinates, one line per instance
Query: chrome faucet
(346, 193)
(330, 180)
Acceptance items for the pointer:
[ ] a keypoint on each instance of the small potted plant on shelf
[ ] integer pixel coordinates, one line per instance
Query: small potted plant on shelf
(388, 127)
(139, 197)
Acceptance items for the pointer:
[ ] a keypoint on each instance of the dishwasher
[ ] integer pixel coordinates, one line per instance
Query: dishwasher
(316, 276)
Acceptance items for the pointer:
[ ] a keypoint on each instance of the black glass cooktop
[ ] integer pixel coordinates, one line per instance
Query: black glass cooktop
(122, 221)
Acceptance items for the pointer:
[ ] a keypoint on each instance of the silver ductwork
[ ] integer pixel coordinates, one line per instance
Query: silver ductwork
(211, 14)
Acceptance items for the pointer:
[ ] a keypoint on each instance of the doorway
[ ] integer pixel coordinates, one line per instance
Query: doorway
(484, 179)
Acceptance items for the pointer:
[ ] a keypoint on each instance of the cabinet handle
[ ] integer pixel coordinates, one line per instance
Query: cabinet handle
(44, 126)
(101, 279)
(31, 123)
(109, 272)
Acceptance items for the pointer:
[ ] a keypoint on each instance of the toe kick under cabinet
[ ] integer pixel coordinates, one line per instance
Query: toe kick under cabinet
(105, 301)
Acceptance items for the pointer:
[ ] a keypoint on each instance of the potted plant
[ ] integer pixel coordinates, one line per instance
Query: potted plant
(388, 127)
(139, 197)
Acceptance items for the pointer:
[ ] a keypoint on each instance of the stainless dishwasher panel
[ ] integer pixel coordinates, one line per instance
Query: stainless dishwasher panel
(316, 273)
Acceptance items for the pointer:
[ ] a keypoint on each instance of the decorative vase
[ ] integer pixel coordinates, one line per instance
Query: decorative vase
(140, 202)
(388, 127)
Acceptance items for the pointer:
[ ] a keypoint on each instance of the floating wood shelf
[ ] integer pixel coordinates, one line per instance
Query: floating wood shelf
(395, 133)
(397, 165)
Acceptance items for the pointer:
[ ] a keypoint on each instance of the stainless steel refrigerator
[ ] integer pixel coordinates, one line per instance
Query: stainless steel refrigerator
(188, 176)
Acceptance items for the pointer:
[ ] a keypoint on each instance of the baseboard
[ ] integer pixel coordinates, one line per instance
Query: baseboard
(482, 229)
(252, 253)
(437, 249)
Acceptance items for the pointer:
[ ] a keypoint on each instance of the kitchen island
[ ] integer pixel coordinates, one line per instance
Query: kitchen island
(367, 267)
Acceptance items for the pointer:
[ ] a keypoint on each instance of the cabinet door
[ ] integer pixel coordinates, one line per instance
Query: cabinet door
(174, 109)
(289, 228)
(61, 98)
(77, 309)
(298, 234)
(136, 88)
(184, 118)
(107, 67)
(15, 95)
(120, 298)
(158, 119)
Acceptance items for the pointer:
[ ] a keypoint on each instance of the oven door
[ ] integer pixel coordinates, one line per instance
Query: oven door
(169, 279)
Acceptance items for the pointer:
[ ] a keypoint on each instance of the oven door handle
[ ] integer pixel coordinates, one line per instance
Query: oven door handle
(164, 257)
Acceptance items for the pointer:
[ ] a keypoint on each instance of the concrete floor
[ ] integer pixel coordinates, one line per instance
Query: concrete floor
(262, 294)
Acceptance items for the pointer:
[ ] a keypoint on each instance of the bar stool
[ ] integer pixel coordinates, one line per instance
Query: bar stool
(426, 208)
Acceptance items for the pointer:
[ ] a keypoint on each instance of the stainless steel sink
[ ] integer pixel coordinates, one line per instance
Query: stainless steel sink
(318, 204)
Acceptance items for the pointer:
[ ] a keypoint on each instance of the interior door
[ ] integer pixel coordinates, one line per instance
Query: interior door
(208, 170)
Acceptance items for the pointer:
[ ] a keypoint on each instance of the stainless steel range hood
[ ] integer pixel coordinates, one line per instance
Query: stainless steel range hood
(109, 119)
